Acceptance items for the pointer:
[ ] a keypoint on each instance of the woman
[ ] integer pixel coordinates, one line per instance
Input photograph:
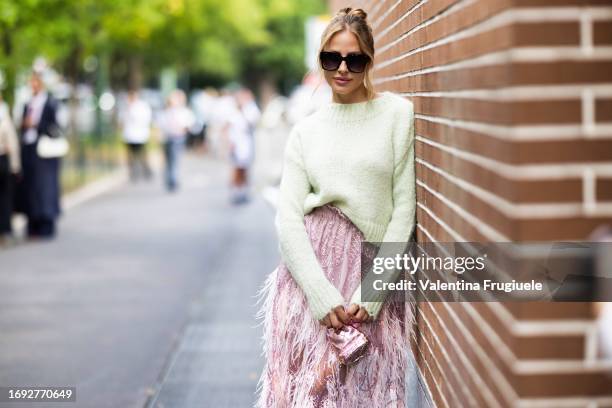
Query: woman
(348, 177)
(241, 131)
(174, 123)
(38, 191)
(10, 164)
(135, 121)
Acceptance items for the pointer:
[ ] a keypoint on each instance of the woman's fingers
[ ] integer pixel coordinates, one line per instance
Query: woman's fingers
(362, 315)
(353, 309)
(341, 314)
(335, 322)
(359, 313)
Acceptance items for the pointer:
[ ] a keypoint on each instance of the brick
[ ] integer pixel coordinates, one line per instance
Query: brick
(559, 229)
(500, 113)
(565, 151)
(564, 384)
(557, 3)
(604, 189)
(550, 311)
(550, 347)
(602, 33)
(566, 72)
(543, 34)
(603, 110)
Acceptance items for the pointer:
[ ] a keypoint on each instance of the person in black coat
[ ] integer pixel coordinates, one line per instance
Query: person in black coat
(38, 191)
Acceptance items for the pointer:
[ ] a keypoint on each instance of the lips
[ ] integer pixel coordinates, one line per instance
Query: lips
(342, 81)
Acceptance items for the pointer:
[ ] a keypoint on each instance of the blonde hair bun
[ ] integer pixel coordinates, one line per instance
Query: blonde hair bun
(351, 12)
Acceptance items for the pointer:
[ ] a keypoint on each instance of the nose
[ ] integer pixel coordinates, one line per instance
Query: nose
(343, 67)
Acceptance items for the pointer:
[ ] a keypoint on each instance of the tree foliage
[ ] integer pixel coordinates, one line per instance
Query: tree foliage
(228, 39)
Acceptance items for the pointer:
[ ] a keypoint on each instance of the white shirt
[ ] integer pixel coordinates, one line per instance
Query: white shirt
(241, 123)
(251, 113)
(203, 105)
(174, 122)
(136, 121)
(34, 111)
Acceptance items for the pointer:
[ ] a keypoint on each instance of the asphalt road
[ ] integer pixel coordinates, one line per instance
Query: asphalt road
(145, 299)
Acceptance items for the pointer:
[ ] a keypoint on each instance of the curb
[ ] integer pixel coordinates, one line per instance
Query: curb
(94, 189)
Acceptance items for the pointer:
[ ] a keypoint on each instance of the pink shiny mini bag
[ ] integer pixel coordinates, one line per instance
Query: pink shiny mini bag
(350, 344)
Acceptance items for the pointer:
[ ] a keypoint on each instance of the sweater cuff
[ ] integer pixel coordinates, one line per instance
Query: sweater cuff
(322, 300)
(373, 308)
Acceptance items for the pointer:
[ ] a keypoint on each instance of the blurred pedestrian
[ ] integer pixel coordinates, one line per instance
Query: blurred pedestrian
(10, 166)
(136, 129)
(241, 131)
(203, 106)
(224, 108)
(4, 108)
(174, 122)
(38, 191)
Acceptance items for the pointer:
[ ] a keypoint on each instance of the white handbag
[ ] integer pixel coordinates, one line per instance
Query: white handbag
(52, 147)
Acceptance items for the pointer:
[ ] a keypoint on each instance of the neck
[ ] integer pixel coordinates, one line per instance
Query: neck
(358, 95)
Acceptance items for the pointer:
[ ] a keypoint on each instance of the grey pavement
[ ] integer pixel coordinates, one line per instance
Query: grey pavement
(145, 298)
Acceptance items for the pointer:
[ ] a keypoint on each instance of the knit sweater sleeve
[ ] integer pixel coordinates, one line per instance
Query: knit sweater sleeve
(296, 248)
(403, 221)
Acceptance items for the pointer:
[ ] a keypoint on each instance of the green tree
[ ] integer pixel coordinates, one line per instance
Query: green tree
(248, 40)
(281, 58)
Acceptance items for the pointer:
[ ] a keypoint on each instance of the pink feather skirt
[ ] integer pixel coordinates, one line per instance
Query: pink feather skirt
(295, 345)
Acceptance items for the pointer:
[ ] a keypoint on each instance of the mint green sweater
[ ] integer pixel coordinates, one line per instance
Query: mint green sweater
(358, 157)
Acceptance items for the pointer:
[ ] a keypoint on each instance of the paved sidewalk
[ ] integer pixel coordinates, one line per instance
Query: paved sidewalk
(133, 274)
(218, 360)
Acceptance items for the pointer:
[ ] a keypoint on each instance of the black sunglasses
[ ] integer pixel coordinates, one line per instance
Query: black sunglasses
(331, 60)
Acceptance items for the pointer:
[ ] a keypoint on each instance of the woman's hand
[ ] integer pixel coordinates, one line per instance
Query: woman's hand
(339, 316)
(336, 318)
(358, 313)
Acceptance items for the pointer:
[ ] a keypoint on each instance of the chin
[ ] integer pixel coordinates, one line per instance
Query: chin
(344, 91)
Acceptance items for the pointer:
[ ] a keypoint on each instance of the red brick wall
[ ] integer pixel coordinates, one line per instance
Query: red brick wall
(513, 104)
